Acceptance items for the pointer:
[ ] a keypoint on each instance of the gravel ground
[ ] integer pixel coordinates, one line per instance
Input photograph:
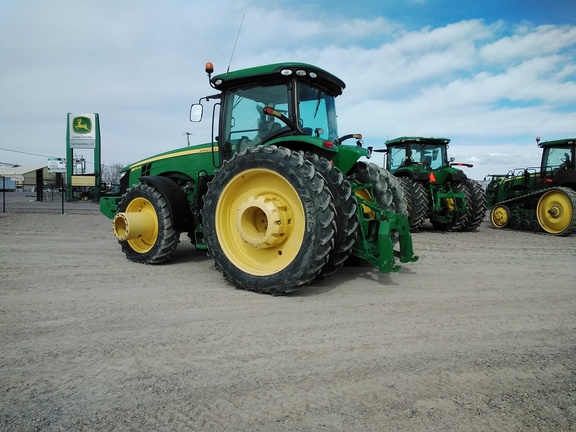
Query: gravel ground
(478, 335)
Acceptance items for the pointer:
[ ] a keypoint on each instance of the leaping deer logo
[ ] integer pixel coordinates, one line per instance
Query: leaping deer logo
(82, 126)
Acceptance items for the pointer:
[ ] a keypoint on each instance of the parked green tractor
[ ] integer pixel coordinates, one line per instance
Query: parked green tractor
(434, 188)
(276, 198)
(535, 199)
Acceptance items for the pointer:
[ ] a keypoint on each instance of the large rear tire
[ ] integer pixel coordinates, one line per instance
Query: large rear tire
(387, 191)
(417, 200)
(161, 240)
(556, 211)
(476, 205)
(268, 220)
(346, 216)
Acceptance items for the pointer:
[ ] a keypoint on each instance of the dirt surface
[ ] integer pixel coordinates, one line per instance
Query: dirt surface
(479, 335)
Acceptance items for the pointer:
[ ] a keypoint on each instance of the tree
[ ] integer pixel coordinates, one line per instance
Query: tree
(111, 173)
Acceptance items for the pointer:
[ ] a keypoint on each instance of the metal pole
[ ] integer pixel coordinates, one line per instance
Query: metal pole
(3, 194)
(63, 192)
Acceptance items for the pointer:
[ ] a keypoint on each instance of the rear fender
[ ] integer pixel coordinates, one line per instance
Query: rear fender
(348, 155)
(323, 148)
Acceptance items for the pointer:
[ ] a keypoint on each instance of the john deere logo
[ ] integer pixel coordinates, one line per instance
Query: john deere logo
(82, 125)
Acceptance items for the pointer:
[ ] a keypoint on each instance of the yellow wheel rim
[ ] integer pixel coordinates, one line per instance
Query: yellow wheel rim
(260, 222)
(144, 242)
(365, 195)
(554, 212)
(500, 216)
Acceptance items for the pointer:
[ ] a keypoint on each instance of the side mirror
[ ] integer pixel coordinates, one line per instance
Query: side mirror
(196, 111)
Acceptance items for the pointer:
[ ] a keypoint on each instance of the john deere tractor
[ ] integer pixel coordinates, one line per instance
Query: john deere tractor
(276, 197)
(536, 199)
(434, 188)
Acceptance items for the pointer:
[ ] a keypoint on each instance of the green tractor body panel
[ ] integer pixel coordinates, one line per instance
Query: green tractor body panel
(537, 198)
(185, 165)
(452, 202)
(288, 108)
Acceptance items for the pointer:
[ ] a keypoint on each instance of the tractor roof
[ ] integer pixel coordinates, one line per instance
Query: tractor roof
(418, 140)
(279, 72)
(560, 142)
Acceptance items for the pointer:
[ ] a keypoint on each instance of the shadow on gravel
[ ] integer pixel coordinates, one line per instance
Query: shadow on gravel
(348, 275)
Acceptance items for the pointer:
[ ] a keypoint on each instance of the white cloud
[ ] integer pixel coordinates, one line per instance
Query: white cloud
(140, 65)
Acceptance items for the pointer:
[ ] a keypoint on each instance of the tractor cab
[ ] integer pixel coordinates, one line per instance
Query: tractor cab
(288, 104)
(558, 167)
(416, 157)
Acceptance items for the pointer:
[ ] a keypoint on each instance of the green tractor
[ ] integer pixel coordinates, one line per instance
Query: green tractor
(276, 198)
(435, 190)
(535, 199)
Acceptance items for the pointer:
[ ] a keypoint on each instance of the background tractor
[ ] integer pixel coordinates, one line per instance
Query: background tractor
(541, 198)
(276, 198)
(435, 190)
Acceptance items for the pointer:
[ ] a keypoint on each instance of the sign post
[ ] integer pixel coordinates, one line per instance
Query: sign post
(83, 132)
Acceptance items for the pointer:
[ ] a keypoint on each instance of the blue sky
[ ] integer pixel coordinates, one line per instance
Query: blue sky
(490, 75)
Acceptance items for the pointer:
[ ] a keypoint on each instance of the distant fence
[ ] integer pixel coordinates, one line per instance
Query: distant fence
(27, 202)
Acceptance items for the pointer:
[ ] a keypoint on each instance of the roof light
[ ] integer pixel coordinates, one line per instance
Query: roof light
(286, 72)
(300, 72)
(218, 82)
(313, 75)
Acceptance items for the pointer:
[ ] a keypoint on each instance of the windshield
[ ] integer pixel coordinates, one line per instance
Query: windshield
(317, 112)
(432, 156)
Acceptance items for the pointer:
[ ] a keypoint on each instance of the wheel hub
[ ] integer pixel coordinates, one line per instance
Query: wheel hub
(555, 212)
(264, 221)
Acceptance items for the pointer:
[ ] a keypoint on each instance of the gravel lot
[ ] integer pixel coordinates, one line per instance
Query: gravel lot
(478, 335)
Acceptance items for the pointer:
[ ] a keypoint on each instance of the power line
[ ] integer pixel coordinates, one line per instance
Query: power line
(22, 152)
(40, 155)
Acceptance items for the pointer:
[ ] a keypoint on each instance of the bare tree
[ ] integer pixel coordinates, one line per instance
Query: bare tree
(111, 173)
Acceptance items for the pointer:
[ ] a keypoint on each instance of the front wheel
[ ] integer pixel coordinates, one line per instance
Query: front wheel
(268, 220)
(145, 210)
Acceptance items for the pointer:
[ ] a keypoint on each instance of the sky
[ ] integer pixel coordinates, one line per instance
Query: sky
(489, 75)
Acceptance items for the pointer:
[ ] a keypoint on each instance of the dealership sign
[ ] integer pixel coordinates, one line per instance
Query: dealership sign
(82, 131)
(57, 165)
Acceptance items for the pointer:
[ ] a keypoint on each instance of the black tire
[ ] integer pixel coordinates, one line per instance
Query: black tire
(458, 219)
(159, 247)
(268, 220)
(417, 200)
(476, 205)
(346, 216)
(387, 191)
